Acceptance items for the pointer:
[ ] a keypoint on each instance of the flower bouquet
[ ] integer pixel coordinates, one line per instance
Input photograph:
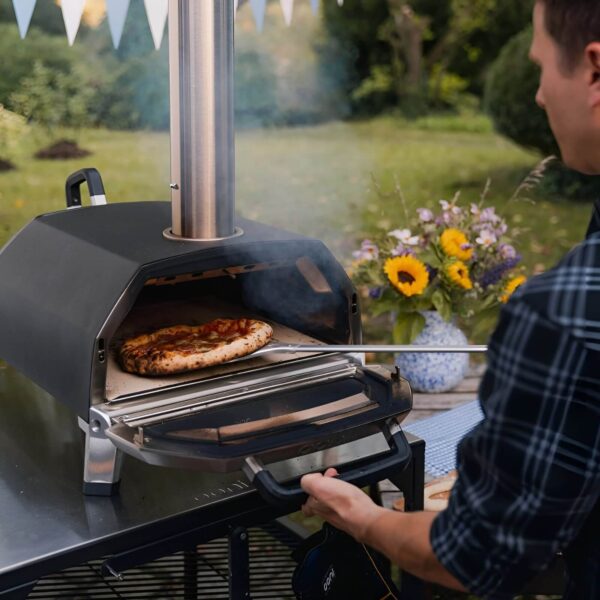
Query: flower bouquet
(458, 261)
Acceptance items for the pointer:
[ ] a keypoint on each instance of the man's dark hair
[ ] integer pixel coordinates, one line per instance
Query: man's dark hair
(573, 24)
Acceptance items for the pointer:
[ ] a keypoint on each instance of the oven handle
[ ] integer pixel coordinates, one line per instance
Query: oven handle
(95, 185)
(365, 473)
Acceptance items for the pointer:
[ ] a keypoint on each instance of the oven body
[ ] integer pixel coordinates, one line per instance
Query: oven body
(77, 283)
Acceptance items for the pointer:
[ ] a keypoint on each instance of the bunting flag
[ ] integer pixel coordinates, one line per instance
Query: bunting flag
(258, 10)
(157, 12)
(72, 11)
(23, 12)
(287, 6)
(117, 14)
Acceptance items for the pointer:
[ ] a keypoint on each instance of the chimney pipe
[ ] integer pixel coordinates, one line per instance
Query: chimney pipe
(201, 43)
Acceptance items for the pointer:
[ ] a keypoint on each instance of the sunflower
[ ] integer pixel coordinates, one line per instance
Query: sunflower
(458, 273)
(455, 244)
(511, 286)
(407, 274)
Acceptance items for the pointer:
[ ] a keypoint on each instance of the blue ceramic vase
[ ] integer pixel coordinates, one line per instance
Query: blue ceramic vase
(433, 373)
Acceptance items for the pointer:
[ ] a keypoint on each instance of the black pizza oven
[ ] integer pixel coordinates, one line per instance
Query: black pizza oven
(75, 283)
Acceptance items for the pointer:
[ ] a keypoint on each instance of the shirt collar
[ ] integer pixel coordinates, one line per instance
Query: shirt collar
(595, 222)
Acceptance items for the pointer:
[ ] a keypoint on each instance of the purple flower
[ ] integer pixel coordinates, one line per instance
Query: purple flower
(432, 272)
(496, 273)
(368, 251)
(375, 293)
(507, 251)
(425, 215)
(402, 250)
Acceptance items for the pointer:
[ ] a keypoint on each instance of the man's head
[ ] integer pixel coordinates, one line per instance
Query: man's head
(566, 46)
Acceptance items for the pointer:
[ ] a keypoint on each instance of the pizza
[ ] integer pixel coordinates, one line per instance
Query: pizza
(183, 348)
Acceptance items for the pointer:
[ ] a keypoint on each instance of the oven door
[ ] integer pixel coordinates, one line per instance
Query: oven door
(276, 425)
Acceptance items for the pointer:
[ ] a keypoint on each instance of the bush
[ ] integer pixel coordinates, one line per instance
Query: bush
(510, 99)
(255, 89)
(510, 92)
(52, 99)
(12, 129)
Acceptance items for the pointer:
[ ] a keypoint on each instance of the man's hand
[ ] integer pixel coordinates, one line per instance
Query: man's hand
(402, 537)
(341, 504)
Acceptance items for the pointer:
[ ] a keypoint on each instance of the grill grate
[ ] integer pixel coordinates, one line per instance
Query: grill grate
(202, 574)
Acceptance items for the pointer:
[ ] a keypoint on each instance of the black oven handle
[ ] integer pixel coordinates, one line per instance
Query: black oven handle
(365, 473)
(95, 185)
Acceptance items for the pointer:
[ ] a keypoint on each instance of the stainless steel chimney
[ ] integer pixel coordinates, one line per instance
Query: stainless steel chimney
(201, 43)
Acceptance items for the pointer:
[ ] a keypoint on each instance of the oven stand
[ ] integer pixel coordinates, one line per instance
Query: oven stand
(102, 461)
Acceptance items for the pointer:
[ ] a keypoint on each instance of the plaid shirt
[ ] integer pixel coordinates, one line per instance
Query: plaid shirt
(529, 474)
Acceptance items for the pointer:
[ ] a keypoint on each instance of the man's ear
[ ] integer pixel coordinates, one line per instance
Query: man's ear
(592, 53)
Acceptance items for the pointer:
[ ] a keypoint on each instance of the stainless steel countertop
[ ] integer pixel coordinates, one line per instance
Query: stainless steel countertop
(43, 511)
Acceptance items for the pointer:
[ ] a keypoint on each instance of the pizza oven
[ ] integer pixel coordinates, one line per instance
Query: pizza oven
(75, 283)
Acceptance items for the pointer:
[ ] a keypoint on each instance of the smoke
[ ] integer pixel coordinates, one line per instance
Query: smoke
(303, 169)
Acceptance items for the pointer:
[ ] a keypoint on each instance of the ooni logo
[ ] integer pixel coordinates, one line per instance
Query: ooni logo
(327, 583)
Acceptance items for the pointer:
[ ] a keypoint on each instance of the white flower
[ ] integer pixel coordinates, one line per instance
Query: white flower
(486, 238)
(405, 237)
(475, 210)
(445, 205)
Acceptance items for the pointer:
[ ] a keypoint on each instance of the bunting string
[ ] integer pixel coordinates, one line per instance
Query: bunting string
(156, 13)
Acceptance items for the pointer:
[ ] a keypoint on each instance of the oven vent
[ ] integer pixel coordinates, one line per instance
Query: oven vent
(202, 132)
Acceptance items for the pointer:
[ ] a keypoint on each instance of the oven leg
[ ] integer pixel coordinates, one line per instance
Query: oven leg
(239, 564)
(102, 462)
(412, 480)
(412, 484)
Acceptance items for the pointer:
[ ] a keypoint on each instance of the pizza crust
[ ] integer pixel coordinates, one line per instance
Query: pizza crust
(183, 348)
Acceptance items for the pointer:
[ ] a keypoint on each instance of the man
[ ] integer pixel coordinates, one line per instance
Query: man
(529, 474)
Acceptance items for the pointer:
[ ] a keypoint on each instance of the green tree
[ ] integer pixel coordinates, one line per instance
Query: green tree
(19, 57)
(399, 47)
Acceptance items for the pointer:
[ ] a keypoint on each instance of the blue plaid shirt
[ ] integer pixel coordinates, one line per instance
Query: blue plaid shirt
(529, 474)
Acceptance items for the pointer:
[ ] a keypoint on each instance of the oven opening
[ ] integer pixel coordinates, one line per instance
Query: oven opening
(294, 296)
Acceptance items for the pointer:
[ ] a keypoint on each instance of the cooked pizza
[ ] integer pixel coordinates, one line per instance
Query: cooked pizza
(183, 348)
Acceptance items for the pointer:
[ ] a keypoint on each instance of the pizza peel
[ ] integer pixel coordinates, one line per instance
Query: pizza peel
(357, 348)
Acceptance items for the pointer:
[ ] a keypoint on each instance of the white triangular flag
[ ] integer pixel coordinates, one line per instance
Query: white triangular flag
(72, 10)
(287, 6)
(157, 11)
(315, 6)
(258, 10)
(24, 12)
(117, 14)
